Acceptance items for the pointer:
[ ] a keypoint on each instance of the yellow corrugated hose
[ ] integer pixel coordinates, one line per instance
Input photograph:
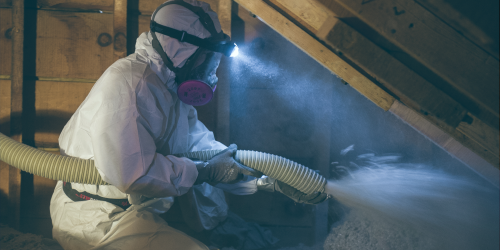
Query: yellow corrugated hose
(76, 170)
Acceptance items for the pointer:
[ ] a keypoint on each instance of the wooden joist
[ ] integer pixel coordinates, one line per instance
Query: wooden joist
(144, 23)
(444, 30)
(5, 41)
(438, 47)
(411, 88)
(5, 129)
(224, 90)
(75, 5)
(120, 29)
(465, 25)
(319, 52)
(480, 137)
(224, 13)
(16, 107)
(309, 13)
(147, 7)
(5, 86)
(447, 142)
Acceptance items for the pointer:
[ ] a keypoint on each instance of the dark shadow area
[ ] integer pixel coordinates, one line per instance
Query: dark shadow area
(132, 24)
(482, 15)
(4, 201)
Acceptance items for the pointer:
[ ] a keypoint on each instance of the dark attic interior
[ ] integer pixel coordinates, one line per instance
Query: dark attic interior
(392, 106)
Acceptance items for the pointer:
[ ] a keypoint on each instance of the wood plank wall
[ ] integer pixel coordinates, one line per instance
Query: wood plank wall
(75, 41)
(57, 66)
(5, 83)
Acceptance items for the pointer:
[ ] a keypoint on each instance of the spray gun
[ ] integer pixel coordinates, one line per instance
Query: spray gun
(72, 169)
(296, 175)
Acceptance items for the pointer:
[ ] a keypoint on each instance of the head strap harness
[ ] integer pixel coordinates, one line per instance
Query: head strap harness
(216, 41)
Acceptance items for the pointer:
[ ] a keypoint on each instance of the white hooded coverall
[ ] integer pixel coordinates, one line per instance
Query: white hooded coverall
(130, 124)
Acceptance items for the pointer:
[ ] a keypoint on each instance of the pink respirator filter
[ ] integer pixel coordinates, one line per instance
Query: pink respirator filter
(194, 92)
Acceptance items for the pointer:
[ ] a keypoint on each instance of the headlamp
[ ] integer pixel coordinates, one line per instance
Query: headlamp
(226, 47)
(235, 52)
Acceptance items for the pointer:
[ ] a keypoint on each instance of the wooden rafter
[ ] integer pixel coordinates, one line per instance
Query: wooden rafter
(308, 21)
(16, 106)
(319, 52)
(120, 29)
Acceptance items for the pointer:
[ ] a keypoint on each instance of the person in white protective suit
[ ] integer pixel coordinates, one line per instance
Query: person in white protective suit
(131, 124)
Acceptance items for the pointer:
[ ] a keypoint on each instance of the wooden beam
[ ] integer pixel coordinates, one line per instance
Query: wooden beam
(310, 13)
(487, 170)
(481, 134)
(416, 91)
(418, 33)
(144, 21)
(419, 93)
(319, 52)
(16, 107)
(223, 95)
(5, 92)
(120, 29)
(147, 7)
(103, 5)
(460, 22)
(411, 88)
(5, 41)
(224, 13)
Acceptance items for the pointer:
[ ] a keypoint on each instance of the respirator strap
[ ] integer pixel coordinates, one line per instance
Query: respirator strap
(157, 46)
(180, 73)
(205, 20)
(183, 36)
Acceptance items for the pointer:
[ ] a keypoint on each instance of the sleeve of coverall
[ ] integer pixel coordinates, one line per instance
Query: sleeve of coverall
(125, 152)
(200, 138)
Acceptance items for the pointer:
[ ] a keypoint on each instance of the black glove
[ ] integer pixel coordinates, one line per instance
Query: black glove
(298, 196)
(222, 168)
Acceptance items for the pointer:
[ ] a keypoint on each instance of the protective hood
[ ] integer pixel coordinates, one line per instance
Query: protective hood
(177, 17)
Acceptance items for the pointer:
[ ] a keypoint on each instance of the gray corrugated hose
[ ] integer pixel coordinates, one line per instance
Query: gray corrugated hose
(71, 169)
(55, 167)
(298, 176)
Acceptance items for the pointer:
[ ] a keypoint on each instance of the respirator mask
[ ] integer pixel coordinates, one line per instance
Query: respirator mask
(196, 80)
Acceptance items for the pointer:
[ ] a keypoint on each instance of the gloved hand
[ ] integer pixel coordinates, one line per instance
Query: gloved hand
(222, 168)
(271, 185)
